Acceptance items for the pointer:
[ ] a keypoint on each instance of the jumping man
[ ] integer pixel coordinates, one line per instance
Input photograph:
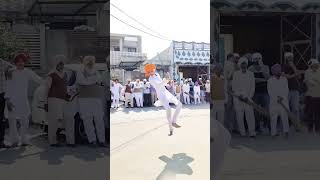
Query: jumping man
(164, 96)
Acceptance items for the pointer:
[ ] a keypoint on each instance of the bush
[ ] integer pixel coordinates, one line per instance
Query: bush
(9, 44)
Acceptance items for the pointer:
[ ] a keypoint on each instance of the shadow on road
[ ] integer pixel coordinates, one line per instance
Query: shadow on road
(178, 164)
(53, 156)
(296, 142)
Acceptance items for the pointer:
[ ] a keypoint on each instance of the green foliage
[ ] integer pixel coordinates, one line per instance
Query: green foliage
(9, 45)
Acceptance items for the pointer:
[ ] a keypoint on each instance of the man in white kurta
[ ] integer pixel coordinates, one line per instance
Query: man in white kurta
(116, 89)
(164, 96)
(90, 102)
(17, 100)
(197, 94)
(278, 91)
(138, 93)
(186, 91)
(243, 86)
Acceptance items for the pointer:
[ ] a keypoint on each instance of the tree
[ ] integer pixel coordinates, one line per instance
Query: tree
(9, 44)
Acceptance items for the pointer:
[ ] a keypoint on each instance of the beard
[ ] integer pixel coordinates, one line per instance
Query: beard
(90, 71)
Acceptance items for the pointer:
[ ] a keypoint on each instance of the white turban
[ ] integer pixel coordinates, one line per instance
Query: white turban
(288, 54)
(243, 60)
(58, 59)
(88, 59)
(313, 62)
(256, 55)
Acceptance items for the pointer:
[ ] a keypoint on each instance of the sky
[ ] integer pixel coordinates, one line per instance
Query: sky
(179, 20)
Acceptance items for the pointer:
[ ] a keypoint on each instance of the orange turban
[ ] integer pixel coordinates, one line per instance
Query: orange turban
(148, 68)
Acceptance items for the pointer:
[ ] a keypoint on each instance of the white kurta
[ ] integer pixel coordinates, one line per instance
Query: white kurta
(197, 94)
(17, 91)
(278, 88)
(244, 84)
(164, 96)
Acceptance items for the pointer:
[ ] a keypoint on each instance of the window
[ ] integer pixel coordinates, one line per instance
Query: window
(116, 48)
(132, 49)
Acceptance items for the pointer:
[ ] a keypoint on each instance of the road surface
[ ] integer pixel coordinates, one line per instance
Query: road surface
(141, 148)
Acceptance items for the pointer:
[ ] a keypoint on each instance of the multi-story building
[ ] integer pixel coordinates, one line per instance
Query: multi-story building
(184, 60)
(126, 56)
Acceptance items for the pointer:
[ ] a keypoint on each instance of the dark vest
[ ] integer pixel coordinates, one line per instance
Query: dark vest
(58, 87)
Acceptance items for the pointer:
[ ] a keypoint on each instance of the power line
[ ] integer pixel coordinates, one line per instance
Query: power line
(138, 28)
(137, 21)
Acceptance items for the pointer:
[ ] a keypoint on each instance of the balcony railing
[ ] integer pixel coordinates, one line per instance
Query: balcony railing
(116, 57)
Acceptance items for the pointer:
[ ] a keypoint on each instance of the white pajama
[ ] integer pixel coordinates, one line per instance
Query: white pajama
(186, 96)
(139, 99)
(128, 98)
(59, 109)
(91, 111)
(241, 110)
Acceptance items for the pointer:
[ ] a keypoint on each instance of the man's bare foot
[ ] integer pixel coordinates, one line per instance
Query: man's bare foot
(171, 133)
(175, 125)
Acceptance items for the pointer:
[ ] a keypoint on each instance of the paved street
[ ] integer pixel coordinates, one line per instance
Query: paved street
(142, 149)
(44, 163)
(264, 158)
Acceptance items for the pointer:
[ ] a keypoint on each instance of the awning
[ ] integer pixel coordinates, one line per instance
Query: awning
(129, 66)
(65, 7)
(305, 6)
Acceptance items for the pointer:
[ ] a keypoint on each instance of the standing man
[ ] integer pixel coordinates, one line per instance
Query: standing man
(90, 102)
(229, 68)
(128, 94)
(191, 85)
(17, 99)
(261, 73)
(116, 90)
(165, 97)
(208, 89)
(4, 67)
(312, 80)
(177, 88)
(146, 93)
(138, 92)
(197, 93)
(202, 90)
(294, 77)
(243, 86)
(186, 91)
(278, 91)
(57, 98)
(219, 93)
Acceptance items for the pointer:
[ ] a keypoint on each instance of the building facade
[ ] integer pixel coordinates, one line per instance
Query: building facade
(126, 56)
(185, 60)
